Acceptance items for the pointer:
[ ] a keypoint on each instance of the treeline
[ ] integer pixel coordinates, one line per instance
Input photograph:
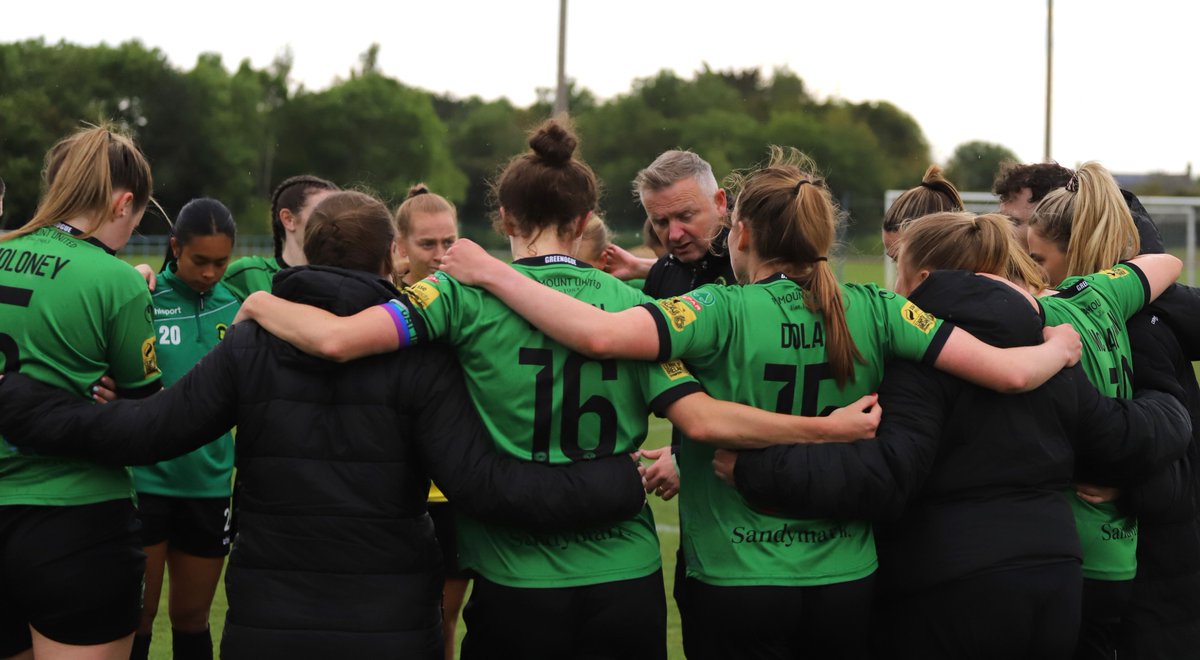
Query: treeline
(235, 134)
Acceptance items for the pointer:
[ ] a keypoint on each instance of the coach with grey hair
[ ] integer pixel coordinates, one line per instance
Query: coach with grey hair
(685, 207)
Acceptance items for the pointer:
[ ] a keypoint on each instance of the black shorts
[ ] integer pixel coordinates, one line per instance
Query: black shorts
(198, 526)
(626, 619)
(442, 514)
(74, 573)
(821, 621)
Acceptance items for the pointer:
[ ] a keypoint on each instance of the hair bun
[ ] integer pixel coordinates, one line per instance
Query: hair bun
(419, 189)
(553, 142)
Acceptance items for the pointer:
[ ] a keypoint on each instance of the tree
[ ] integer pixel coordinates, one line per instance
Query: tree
(369, 131)
(973, 165)
(483, 137)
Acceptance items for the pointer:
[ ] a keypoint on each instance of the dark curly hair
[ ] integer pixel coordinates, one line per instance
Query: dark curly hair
(1039, 178)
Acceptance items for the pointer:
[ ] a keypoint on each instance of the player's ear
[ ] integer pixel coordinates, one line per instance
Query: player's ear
(506, 223)
(580, 224)
(743, 235)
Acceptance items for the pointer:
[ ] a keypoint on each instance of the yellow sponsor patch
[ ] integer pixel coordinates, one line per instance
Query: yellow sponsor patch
(674, 369)
(149, 357)
(920, 320)
(422, 294)
(680, 313)
(1114, 273)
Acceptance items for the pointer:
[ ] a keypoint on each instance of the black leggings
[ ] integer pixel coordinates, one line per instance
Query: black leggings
(625, 619)
(828, 621)
(1104, 603)
(1017, 613)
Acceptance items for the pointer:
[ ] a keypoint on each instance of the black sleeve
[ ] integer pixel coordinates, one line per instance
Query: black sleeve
(864, 480)
(1179, 306)
(1123, 441)
(653, 286)
(1148, 234)
(475, 477)
(186, 416)
(1172, 494)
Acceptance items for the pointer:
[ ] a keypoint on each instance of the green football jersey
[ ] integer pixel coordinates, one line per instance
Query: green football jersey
(544, 403)
(760, 345)
(1098, 306)
(70, 312)
(187, 326)
(250, 274)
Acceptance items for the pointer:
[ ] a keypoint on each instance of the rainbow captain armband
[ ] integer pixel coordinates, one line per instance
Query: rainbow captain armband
(402, 316)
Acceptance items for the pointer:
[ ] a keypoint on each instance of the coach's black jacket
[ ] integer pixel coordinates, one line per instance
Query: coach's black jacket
(1163, 619)
(671, 277)
(970, 480)
(335, 555)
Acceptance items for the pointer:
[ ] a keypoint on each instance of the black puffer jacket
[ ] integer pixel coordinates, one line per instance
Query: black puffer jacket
(970, 480)
(335, 555)
(1163, 620)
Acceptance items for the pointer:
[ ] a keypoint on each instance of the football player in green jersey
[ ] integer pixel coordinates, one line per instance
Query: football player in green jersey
(291, 203)
(426, 226)
(562, 594)
(790, 339)
(183, 503)
(71, 312)
(1077, 234)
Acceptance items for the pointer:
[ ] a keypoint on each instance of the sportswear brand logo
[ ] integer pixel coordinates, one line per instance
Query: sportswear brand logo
(918, 319)
(169, 311)
(681, 315)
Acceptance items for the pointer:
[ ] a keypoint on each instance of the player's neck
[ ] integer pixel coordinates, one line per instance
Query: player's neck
(539, 245)
(293, 254)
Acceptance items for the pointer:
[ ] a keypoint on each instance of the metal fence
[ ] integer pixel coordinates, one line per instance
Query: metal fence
(1175, 217)
(154, 247)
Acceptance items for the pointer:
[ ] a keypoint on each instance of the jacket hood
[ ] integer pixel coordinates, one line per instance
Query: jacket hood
(992, 311)
(343, 292)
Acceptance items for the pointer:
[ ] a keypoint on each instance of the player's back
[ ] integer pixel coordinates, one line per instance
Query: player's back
(545, 403)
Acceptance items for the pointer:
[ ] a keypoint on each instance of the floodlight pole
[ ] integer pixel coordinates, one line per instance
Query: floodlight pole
(560, 96)
(1049, 72)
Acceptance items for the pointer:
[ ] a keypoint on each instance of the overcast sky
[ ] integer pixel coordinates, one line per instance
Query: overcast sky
(1125, 73)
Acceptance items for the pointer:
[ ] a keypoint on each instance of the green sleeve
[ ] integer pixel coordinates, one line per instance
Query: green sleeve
(666, 383)
(694, 324)
(443, 303)
(908, 331)
(131, 356)
(1124, 286)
